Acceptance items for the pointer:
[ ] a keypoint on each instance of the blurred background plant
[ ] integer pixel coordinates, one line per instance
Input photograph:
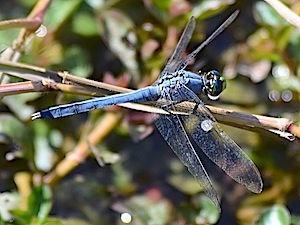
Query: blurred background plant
(50, 168)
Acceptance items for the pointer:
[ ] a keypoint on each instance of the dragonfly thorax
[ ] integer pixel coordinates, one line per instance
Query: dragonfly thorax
(174, 79)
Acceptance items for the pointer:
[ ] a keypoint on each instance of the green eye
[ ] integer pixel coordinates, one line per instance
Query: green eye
(223, 81)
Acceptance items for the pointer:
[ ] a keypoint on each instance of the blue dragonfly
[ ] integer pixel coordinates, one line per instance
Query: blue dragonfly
(177, 85)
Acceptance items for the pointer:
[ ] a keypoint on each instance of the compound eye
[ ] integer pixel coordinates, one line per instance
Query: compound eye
(216, 83)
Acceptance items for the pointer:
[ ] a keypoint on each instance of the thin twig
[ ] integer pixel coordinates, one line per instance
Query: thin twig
(19, 23)
(285, 12)
(28, 72)
(34, 20)
(22, 87)
(43, 86)
(81, 151)
(233, 118)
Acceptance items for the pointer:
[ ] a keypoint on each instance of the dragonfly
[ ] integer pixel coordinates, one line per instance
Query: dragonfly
(176, 85)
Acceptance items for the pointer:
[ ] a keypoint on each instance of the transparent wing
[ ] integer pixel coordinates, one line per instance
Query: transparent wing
(182, 64)
(181, 46)
(218, 146)
(174, 63)
(172, 130)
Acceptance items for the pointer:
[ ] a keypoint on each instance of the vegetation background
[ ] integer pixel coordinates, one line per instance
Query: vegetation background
(49, 169)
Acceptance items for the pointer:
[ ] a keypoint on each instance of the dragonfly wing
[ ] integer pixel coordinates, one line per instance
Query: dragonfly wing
(172, 130)
(181, 46)
(189, 58)
(219, 147)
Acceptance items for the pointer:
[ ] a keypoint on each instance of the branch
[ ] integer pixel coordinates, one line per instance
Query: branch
(29, 26)
(285, 12)
(76, 85)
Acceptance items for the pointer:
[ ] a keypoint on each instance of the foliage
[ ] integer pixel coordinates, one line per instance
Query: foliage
(127, 43)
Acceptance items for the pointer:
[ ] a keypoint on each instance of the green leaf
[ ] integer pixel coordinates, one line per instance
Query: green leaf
(7, 36)
(8, 201)
(21, 217)
(277, 214)
(160, 9)
(266, 15)
(58, 12)
(208, 212)
(295, 44)
(18, 104)
(185, 183)
(122, 179)
(283, 37)
(77, 61)
(115, 27)
(39, 202)
(144, 210)
(295, 220)
(206, 9)
(162, 5)
(182, 180)
(43, 145)
(23, 137)
(28, 3)
(85, 24)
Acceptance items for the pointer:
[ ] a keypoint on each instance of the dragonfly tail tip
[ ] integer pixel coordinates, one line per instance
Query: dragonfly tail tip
(35, 116)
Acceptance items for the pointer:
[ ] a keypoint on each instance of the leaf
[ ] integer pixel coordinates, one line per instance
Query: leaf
(277, 215)
(295, 220)
(85, 24)
(159, 9)
(115, 27)
(20, 217)
(6, 38)
(8, 201)
(209, 8)
(182, 180)
(185, 183)
(43, 142)
(208, 213)
(266, 15)
(122, 179)
(23, 137)
(145, 210)
(39, 202)
(18, 104)
(58, 12)
(77, 60)
(162, 5)
(283, 37)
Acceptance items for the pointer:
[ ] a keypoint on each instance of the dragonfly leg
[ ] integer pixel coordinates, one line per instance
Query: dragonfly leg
(196, 107)
(167, 107)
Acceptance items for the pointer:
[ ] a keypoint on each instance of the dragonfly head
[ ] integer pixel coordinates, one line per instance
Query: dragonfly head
(214, 84)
